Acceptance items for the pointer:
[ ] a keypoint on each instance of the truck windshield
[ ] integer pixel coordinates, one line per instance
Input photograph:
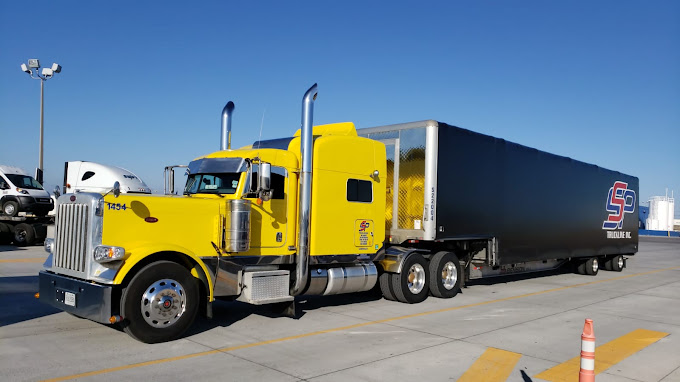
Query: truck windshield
(24, 181)
(212, 183)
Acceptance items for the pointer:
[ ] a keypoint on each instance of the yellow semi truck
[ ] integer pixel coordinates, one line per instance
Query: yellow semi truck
(327, 211)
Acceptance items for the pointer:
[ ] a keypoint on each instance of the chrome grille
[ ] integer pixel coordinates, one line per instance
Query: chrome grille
(70, 237)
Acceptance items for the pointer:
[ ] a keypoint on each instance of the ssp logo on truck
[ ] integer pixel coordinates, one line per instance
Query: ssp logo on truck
(620, 201)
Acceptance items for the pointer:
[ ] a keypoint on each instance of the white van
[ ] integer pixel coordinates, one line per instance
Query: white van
(20, 192)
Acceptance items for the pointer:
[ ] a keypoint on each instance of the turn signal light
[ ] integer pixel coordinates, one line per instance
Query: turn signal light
(106, 253)
(115, 319)
(37, 295)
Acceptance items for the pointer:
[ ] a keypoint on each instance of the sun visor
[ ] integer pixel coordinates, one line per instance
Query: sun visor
(217, 165)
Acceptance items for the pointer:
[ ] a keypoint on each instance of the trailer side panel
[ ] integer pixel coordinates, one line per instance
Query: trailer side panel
(537, 205)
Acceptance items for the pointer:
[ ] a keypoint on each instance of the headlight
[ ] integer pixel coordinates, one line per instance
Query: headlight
(49, 245)
(22, 191)
(106, 253)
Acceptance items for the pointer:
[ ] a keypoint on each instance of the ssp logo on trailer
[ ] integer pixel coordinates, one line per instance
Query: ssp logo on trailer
(620, 201)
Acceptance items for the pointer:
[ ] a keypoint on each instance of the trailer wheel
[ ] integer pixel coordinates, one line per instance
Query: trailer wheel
(160, 303)
(385, 280)
(24, 235)
(617, 263)
(411, 285)
(445, 275)
(10, 208)
(591, 266)
(607, 262)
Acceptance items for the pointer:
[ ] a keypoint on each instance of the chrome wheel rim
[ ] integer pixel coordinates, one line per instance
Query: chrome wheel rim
(163, 303)
(416, 278)
(449, 275)
(595, 266)
(619, 261)
(9, 209)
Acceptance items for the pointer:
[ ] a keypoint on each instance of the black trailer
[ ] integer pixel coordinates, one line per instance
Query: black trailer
(500, 206)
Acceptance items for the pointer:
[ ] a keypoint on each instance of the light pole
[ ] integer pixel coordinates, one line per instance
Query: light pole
(47, 73)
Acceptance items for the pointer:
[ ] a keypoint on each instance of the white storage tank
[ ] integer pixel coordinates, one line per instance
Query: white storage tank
(661, 213)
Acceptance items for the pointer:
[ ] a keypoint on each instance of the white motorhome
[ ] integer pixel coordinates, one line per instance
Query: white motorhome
(82, 176)
(20, 192)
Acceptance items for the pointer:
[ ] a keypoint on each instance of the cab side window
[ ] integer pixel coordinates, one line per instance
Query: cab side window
(359, 191)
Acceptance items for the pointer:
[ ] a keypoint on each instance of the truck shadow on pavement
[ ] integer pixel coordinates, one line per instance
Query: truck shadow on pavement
(226, 313)
(10, 248)
(18, 301)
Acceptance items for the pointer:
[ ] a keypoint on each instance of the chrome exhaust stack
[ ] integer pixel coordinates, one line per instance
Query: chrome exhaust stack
(306, 151)
(226, 126)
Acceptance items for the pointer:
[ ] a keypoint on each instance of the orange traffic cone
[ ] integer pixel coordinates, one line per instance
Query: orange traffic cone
(587, 372)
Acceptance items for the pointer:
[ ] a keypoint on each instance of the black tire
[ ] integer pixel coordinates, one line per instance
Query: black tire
(385, 281)
(10, 208)
(445, 275)
(591, 266)
(5, 233)
(607, 262)
(161, 281)
(617, 263)
(411, 285)
(580, 267)
(24, 235)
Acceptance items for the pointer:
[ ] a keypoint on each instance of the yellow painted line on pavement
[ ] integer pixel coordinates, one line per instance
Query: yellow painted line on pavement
(33, 260)
(606, 355)
(495, 365)
(283, 339)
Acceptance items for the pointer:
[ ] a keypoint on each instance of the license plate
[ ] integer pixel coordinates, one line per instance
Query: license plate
(70, 298)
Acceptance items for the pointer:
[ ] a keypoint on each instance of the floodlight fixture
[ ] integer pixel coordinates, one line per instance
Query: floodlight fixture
(46, 74)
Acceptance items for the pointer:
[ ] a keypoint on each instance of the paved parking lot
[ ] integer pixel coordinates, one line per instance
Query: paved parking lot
(515, 329)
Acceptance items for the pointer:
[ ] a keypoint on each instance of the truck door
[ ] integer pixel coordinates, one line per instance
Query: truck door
(268, 221)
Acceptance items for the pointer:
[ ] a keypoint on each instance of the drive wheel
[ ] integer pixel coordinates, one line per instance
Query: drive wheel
(411, 285)
(386, 286)
(591, 266)
(10, 208)
(160, 303)
(445, 275)
(24, 235)
(617, 263)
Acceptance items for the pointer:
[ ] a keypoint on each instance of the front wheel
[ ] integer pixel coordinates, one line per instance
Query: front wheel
(10, 208)
(160, 303)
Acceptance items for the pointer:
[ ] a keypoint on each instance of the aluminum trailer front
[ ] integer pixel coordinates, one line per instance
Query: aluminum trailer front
(448, 184)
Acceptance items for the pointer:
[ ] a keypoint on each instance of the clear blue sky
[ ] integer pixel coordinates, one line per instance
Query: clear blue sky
(144, 82)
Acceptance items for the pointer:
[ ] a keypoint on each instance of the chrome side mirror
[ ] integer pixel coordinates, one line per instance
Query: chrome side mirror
(116, 189)
(57, 191)
(264, 177)
(264, 181)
